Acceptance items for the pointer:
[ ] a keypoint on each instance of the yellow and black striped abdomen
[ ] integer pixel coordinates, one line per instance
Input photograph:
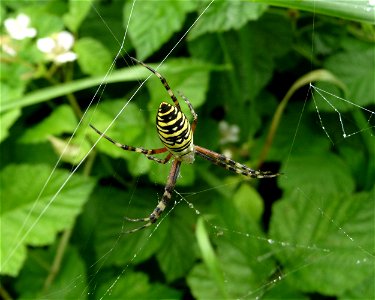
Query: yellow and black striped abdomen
(174, 129)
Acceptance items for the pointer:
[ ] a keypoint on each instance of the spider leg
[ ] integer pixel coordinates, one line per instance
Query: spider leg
(195, 116)
(231, 165)
(154, 216)
(163, 81)
(146, 152)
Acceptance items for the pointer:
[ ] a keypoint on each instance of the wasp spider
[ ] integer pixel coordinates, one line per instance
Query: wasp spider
(176, 133)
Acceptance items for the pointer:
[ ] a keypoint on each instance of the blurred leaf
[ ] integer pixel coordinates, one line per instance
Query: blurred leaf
(147, 30)
(77, 13)
(111, 205)
(34, 219)
(249, 201)
(70, 274)
(7, 119)
(225, 15)
(335, 238)
(361, 11)
(178, 244)
(136, 285)
(93, 57)
(61, 120)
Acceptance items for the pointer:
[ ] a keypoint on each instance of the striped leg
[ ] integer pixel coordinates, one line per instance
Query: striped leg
(154, 216)
(231, 165)
(146, 152)
(163, 81)
(195, 116)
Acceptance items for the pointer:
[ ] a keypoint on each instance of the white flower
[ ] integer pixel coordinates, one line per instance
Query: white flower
(18, 28)
(6, 45)
(228, 133)
(57, 47)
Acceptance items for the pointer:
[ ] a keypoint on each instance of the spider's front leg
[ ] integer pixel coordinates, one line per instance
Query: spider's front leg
(165, 199)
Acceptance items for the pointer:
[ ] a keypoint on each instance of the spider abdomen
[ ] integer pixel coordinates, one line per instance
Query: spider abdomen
(174, 130)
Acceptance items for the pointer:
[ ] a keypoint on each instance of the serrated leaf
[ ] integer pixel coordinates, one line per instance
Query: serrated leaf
(154, 22)
(335, 238)
(317, 173)
(93, 57)
(189, 77)
(129, 126)
(34, 220)
(61, 120)
(225, 15)
(358, 77)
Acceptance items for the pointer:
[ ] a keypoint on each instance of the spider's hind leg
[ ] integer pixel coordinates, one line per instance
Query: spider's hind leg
(165, 199)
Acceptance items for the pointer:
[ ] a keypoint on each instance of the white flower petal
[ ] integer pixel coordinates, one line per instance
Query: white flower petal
(65, 57)
(46, 45)
(18, 28)
(65, 40)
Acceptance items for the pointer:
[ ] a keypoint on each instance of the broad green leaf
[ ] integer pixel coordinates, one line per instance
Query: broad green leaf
(242, 251)
(327, 244)
(178, 244)
(135, 285)
(61, 120)
(93, 57)
(111, 206)
(78, 10)
(128, 127)
(148, 30)
(358, 76)
(324, 173)
(32, 219)
(69, 283)
(249, 201)
(189, 77)
(225, 15)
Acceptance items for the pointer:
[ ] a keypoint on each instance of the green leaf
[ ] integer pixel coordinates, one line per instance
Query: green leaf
(178, 244)
(7, 119)
(240, 249)
(187, 76)
(325, 174)
(225, 15)
(148, 30)
(61, 120)
(69, 283)
(129, 126)
(327, 243)
(361, 11)
(358, 77)
(249, 201)
(110, 206)
(78, 11)
(32, 219)
(93, 57)
(136, 285)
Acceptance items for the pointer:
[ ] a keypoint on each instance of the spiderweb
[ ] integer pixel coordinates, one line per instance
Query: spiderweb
(308, 232)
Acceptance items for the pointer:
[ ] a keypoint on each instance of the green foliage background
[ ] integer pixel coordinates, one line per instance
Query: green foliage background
(310, 233)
